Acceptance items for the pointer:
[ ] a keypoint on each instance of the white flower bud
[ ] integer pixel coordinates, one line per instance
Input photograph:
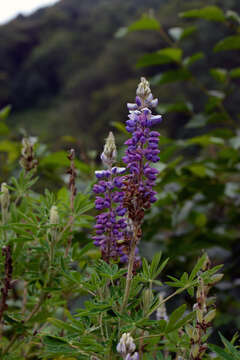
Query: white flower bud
(54, 217)
(143, 89)
(126, 344)
(5, 197)
(194, 350)
(109, 153)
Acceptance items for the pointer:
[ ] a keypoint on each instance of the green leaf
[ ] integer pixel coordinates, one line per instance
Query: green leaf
(235, 73)
(198, 170)
(63, 325)
(188, 31)
(230, 348)
(119, 126)
(145, 23)
(228, 43)
(82, 204)
(173, 76)
(5, 112)
(58, 346)
(164, 56)
(212, 13)
(175, 316)
(219, 351)
(219, 75)
(4, 130)
(198, 266)
(205, 140)
(193, 58)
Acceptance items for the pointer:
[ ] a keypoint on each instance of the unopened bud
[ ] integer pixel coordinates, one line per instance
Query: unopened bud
(210, 316)
(199, 315)
(54, 217)
(194, 350)
(26, 147)
(207, 264)
(189, 330)
(109, 153)
(4, 197)
(126, 344)
(210, 300)
(195, 335)
(27, 160)
(143, 89)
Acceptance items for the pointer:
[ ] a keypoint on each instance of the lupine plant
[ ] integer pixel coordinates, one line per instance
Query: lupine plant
(122, 303)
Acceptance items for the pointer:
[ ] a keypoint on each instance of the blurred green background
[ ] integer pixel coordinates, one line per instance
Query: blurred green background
(66, 73)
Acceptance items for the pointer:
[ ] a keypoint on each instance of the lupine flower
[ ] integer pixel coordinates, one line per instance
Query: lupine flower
(124, 193)
(54, 217)
(110, 224)
(142, 150)
(126, 347)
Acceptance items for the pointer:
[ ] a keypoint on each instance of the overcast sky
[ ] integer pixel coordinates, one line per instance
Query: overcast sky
(11, 8)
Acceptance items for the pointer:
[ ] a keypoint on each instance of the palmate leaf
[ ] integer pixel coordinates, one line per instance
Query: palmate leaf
(220, 352)
(231, 349)
(54, 345)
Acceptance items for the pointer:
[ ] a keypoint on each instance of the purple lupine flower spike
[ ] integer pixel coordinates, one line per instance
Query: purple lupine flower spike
(110, 224)
(142, 150)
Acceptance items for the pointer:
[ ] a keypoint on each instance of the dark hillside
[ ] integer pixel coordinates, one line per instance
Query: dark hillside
(65, 73)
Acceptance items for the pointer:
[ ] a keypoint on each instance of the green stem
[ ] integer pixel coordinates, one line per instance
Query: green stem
(130, 269)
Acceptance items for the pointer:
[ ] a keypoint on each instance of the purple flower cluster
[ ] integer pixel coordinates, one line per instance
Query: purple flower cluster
(110, 224)
(124, 193)
(142, 147)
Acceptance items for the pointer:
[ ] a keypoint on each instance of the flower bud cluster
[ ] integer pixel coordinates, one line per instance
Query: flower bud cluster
(4, 197)
(5, 202)
(126, 347)
(205, 313)
(27, 161)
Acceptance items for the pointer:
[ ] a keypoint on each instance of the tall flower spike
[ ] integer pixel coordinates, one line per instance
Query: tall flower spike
(142, 150)
(110, 224)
